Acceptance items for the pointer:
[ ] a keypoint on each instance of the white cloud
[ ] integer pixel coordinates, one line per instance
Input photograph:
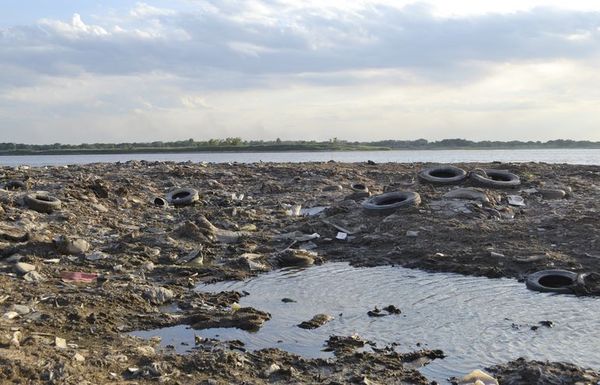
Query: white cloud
(143, 10)
(76, 29)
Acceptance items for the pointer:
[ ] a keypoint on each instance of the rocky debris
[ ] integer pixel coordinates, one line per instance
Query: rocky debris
(250, 261)
(245, 318)
(24, 268)
(477, 377)
(332, 188)
(552, 193)
(344, 344)
(71, 246)
(316, 321)
(588, 284)
(12, 233)
(523, 372)
(294, 257)
(158, 295)
(20, 309)
(390, 309)
(546, 323)
(273, 369)
(468, 194)
(34, 276)
(60, 343)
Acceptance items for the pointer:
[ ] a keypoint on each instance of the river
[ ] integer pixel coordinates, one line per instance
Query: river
(570, 156)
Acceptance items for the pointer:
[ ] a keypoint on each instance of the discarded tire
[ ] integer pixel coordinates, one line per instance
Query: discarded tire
(389, 202)
(15, 185)
(160, 202)
(182, 196)
(495, 178)
(42, 203)
(359, 187)
(443, 175)
(552, 281)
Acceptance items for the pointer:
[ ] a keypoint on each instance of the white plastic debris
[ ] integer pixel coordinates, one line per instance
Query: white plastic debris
(478, 377)
(341, 236)
(515, 200)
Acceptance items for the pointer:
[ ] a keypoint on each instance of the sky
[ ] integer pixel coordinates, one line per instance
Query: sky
(122, 71)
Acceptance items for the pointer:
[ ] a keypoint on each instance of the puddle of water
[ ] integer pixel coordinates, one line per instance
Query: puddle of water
(477, 322)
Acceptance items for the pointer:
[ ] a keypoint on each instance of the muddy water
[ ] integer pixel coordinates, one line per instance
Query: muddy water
(477, 322)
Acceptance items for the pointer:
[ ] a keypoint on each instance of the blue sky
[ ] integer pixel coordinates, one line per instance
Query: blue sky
(91, 71)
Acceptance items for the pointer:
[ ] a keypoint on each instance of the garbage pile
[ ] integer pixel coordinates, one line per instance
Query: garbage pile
(90, 252)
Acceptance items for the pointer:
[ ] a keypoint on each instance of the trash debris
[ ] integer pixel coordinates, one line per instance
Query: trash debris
(478, 377)
(183, 196)
(70, 246)
(116, 226)
(60, 343)
(78, 277)
(158, 295)
(160, 202)
(552, 193)
(42, 203)
(443, 175)
(24, 268)
(341, 236)
(290, 257)
(515, 200)
(390, 202)
(468, 193)
(297, 236)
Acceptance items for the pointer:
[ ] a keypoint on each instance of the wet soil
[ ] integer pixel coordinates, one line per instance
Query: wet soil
(63, 327)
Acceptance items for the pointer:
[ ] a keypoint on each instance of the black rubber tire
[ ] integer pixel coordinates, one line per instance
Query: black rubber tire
(183, 196)
(496, 179)
(552, 281)
(389, 202)
(359, 187)
(42, 203)
(443, 175)
(15, 185)
(160, 202)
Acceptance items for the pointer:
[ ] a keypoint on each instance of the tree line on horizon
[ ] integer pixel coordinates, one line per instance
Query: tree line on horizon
(236, 142)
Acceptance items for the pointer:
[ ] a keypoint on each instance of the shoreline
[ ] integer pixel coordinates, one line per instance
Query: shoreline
(273, 149)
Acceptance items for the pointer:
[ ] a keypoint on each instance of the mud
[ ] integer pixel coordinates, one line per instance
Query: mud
(76, 279)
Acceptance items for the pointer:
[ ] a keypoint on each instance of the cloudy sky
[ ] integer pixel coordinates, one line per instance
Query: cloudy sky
(119, 70)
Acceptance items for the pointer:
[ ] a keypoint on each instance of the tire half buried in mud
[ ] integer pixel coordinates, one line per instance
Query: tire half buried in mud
(183, 196)
(495, 178)
(42, 203)
(443, 175)
(389, 202)
(552, 281)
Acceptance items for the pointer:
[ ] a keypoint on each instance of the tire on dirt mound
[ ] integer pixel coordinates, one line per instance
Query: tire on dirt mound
(183, 196)
(42, 203)
(495, 178)
(389, 202)
(443, 175)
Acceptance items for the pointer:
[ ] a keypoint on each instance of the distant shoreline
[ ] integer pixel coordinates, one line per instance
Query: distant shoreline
(269, 149)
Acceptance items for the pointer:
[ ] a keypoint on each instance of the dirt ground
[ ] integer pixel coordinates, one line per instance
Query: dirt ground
(62, 327)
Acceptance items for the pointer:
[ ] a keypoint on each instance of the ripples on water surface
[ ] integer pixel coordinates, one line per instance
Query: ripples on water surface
(470, 318)
(572, 156)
